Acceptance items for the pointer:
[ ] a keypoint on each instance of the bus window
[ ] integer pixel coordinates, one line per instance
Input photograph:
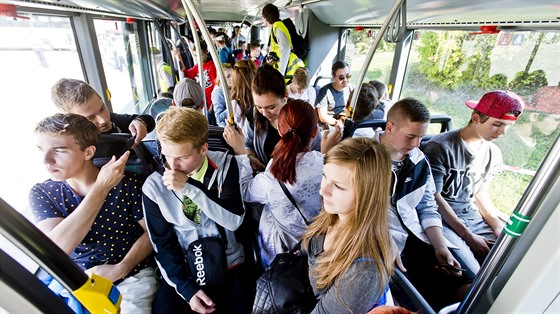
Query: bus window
(120, 57)
(357, 47)
(446, 68)
(34, 54)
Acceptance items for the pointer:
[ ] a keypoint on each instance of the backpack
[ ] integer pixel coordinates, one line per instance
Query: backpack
(299, 44)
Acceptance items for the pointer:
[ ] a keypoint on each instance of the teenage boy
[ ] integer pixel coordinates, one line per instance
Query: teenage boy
(94, 215)
(196, 195)
(75, 96)
(464, 161)
(433, 264)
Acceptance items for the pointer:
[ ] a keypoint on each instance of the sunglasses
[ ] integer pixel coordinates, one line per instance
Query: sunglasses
(347, 76)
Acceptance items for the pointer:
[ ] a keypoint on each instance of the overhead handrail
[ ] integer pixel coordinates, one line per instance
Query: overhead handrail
(536, 192)
(396, 6)
(397, 27)
(194, 15)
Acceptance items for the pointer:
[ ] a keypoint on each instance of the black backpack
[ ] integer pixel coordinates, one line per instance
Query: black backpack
(299, 44)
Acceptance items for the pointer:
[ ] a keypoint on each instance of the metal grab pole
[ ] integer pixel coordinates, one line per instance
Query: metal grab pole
(201, 79)
(22, 233)
(539, 187)
(396, 6)
(192, 11)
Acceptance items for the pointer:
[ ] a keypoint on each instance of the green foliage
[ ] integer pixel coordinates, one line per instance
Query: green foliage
(506, 189)
(528, 83)
(441, 57)
(498, 81)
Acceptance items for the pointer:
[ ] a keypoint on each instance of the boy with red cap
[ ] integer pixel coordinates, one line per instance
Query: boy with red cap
(463, 162)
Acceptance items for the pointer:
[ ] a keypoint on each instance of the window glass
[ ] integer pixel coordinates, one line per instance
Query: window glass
(446, 68)
(121, 62)
(358, 46)
(156, 56)
(34, 54)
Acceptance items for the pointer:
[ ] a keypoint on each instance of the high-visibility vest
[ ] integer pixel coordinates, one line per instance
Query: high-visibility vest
(165, 77)
(294, 61)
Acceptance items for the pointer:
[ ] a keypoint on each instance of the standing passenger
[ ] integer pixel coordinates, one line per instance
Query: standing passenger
(209, 75)
(464, 161)
(94, 215)
(348, 244)
(242, 98)
(197, 194)
(269, 95)
(218, 95)
(280, 41)
(75, 96)
(294, 164)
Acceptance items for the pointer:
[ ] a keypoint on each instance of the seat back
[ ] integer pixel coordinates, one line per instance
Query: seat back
(141, 160)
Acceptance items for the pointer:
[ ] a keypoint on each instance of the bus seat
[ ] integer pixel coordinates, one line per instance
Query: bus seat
(140, 161)
(405, 294)
(445, 122)
(350, 127)
(158, 106)
(216, 140)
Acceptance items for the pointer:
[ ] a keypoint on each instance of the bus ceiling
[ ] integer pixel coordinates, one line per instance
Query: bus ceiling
(349, 13)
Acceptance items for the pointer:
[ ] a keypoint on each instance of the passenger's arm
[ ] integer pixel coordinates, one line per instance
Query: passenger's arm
(285, 50)
(350, 292)
(324, 116)
(443, 255)
(137, 253)
(219, 104)
(68, 232)
(488, 211)
(475, 242)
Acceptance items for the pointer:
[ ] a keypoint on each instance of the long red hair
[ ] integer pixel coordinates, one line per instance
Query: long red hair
(297, 125)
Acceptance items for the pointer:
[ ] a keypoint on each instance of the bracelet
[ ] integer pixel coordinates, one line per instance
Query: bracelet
(143, 122)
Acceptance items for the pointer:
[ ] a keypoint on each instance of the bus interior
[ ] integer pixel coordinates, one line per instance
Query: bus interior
(440, 52)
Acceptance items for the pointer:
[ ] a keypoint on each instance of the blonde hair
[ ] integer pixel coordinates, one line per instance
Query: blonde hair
(366, 232)
(301, 77)
(183, 125)
(69, 93)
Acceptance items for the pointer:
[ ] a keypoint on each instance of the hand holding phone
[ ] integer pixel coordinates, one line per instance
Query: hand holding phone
(127, 146)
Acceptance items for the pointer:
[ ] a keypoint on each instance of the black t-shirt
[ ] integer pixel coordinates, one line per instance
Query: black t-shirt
(272, 138)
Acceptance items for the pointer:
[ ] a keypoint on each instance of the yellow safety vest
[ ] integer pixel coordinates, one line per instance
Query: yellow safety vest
(294, 61)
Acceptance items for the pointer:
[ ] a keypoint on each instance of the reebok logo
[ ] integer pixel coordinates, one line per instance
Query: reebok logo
(199, 265)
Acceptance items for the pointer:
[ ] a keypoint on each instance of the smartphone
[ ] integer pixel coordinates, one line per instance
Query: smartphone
(127, 146)
(453, 268)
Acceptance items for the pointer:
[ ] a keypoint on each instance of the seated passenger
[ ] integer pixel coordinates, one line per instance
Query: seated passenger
(349, 245)
(332, 98)
(94, 215)
(218, 96)
(299, 88)
(75, 96)
(365, 108)
(464, 161)
(433, 264)
(196, 195)
(383, 97)
(294, 164)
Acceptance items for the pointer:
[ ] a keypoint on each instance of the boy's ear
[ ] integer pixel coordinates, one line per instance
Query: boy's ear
(89, 152)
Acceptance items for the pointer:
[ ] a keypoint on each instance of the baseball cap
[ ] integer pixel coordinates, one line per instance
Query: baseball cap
(497, 104)
(188, 89)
